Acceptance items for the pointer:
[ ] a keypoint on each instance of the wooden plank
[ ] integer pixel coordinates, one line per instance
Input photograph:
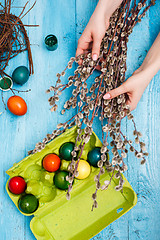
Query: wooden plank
(20, 134)
(119, 227)
(144, 220)
(67, 19)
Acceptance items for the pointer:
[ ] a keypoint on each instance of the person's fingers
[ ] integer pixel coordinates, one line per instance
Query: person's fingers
(96, 46)
(80, 47)
(115, 92)
(83, 45)
(79, 51)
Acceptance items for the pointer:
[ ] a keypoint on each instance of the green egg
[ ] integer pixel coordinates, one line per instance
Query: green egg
(28, 203)
(60, 180)
(20, 75)
(66, 150)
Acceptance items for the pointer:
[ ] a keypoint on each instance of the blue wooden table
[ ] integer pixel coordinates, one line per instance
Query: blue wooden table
(67, 19)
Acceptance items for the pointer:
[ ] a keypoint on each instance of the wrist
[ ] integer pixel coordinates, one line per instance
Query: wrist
(146, 74)
(151, 64)
(150, 68)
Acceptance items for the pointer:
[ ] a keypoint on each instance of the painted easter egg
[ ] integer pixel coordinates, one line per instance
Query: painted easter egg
(28, 203)
(20, 75)
(83, 169)
(17, 105)
(60, 180)
(17, 185)
(94, 156)
(51, 162)
(66, 150)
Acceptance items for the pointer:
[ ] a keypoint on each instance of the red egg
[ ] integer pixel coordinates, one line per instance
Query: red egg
(17, 105)
(17, 185)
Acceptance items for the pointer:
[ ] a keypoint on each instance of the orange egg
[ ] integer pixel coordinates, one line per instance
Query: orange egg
(17, 105)
(51, 162)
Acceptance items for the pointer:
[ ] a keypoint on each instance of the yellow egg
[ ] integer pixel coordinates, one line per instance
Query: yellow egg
(83, 169)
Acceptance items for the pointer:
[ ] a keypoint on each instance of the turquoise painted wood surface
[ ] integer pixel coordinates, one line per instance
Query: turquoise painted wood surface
(67, 19)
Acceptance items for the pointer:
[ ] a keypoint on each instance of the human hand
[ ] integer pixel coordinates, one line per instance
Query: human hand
(133, 87)
(136, 84)
(95, 30)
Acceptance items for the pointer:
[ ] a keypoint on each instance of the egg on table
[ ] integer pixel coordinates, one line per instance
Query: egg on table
(17, 105)
(20, 75)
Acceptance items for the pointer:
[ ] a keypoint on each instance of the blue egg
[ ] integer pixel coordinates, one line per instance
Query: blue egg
(94, 156)
(20, 75)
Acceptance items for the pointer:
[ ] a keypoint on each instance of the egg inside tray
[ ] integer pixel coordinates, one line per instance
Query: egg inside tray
(38, 186)
(43, 174)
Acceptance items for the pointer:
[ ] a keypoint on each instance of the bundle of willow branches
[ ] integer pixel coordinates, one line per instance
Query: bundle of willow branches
(13, 36)
(90, 101)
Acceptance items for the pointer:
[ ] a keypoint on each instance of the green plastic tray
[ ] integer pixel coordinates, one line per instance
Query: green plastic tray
(60, 219)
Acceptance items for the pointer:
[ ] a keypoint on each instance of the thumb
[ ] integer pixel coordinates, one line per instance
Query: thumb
(96, 47)
(115, 92)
